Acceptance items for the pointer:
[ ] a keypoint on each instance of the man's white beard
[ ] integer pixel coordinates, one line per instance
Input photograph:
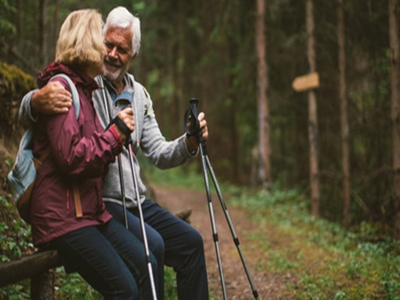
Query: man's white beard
(112, 76)
(116, 75)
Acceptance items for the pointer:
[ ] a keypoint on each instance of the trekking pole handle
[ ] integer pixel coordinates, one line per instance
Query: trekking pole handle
(191, 117)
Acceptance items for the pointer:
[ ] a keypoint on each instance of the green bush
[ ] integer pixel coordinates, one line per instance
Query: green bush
(15, 242)
(327, 261)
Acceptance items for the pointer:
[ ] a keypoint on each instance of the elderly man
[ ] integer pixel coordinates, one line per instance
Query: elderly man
(173, 242)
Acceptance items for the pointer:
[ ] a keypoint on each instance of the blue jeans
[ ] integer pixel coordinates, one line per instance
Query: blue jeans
(174, 243)
(110, 258)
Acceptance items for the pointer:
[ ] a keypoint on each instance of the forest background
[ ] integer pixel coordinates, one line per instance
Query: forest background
(207, 50)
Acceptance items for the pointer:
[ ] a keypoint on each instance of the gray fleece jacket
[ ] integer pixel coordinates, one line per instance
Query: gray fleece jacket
(146, 136)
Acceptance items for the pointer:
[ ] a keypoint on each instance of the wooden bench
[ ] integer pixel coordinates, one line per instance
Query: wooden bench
(37, 267)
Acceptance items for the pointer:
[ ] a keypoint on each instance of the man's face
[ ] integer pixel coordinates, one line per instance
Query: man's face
(118, 58)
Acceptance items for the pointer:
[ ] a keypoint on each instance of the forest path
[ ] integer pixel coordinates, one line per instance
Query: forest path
(268, 285)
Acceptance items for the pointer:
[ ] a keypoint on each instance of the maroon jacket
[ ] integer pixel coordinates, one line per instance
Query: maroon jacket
(80, 152)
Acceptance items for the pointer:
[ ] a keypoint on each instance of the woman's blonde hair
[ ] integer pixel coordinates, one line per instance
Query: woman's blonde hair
(81, 40)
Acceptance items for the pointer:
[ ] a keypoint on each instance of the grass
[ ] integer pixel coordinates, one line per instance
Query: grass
(323, 260)
(315, 258)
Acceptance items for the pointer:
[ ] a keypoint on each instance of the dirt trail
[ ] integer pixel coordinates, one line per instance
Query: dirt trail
(236, 281)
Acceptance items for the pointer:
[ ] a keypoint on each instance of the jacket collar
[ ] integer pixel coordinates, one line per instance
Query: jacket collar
(76, 75)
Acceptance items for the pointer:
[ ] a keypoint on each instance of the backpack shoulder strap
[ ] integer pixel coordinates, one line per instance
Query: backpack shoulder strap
(75, 99)
(74, 92)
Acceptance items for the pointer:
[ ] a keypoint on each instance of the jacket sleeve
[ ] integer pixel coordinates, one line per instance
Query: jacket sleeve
(162, 153)
(25, 113)
(75, 154)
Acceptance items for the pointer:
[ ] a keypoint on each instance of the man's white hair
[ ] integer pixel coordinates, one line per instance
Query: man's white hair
(120, 17)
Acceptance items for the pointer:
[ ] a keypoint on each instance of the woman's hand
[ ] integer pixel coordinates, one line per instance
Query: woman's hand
(126, 116)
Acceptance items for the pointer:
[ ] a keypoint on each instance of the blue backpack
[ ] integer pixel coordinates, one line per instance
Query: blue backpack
(23, 174)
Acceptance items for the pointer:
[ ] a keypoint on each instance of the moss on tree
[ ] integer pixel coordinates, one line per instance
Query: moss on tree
(14, 84)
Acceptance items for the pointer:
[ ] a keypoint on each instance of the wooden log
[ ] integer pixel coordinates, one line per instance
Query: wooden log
(28, 266)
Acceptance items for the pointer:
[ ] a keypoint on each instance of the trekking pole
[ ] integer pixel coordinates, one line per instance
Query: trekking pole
(213, 224)
(142, 225)
(121, 174)
(196, 130)
(129, 97)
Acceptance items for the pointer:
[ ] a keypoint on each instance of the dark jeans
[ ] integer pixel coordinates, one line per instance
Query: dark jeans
(174, 243)
(110, 258)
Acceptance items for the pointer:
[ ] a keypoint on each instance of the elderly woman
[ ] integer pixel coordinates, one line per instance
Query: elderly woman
(67, 212)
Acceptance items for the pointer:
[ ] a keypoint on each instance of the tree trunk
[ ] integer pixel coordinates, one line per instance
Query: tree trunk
(395, 114)
(19, 24)
(233, 152)
(263, 111)
(344, 124)
(312, 113)
(56, 29)
(41, 28)
(180, 102)
(56, 20)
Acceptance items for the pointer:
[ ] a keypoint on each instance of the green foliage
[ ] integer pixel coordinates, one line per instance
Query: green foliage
(14, 242)
(18, 82)
(170, 292)
(6, 27)
(188, 176)
(14, 233)
(14, 84)
(322, 259)
(16, 292)
(73, 286)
